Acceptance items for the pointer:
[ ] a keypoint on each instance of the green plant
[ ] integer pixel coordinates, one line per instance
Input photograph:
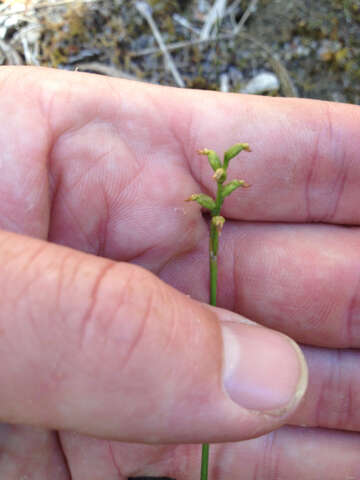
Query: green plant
(216, 226)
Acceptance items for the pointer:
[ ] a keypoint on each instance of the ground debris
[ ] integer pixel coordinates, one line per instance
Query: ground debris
(311, 48)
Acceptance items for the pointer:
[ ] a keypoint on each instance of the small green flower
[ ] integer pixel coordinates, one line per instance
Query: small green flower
(233, 185)
(233, 151)
(203, 200)
(219, 175)
(213, 158)
(218, 222)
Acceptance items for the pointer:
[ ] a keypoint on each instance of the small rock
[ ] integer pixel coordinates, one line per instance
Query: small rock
(224, 82)
(263, 82)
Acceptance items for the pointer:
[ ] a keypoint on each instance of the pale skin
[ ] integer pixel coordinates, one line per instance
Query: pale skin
(92, 343)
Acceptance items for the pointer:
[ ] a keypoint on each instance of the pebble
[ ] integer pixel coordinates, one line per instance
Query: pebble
(263, 82)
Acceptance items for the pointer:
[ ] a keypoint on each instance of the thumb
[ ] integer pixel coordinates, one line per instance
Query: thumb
(108, 349)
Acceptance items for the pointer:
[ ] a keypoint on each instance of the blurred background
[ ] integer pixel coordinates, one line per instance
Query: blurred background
(300, 48)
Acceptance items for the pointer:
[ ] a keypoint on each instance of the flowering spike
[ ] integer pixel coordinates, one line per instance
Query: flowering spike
(213, 158)
(216, 226)
(233, 151)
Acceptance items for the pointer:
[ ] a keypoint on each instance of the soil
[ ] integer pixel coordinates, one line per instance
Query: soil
(312, 47)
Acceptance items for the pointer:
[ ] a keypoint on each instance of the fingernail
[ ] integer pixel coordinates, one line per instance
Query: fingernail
(263, 370)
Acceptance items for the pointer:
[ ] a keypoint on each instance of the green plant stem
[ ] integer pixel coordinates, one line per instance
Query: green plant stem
(216, 225)
(214, 243)
(204, 461)
(213, 249)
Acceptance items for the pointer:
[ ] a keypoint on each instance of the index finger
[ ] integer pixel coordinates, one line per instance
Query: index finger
(304, 163)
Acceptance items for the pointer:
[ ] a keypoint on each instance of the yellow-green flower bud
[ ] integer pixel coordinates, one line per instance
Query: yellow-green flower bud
(218, 222)
(233, 151)
(203, 200)
(213, 158)
(219, 175)
(233, 185)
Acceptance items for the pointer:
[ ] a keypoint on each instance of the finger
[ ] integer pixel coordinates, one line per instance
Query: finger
(292, 453)
(303, 167)
(332, 399)
(110, 350)
(288, 453)
(299, 279)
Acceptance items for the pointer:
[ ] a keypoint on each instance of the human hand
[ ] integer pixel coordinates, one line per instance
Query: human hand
(107, 349)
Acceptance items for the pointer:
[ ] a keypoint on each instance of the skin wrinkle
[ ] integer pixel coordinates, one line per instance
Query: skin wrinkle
(184, 136)
(271, 457)
(256, 471)
(64, 457)
(140, 330)
(265, 459)
(314, 158)
(74, 133)
(341, 405)
(216, 467)
(307, 414)
(55, 189)
(171, 123)
(170, 257)
(235, 282)
(104, 225)
(99, 249)
(27, 266)
(141, 170)
(85, 173)
(68, 276)
(61, 198)
(46, 102)
(325, 136)
(113, 461)
(350, 317)
(54, 181)
(349, 413)
(323, 394)
(340, 185)
(121, 298)
(345, 410)
(87, 318)
(181, 459)
(60, 281)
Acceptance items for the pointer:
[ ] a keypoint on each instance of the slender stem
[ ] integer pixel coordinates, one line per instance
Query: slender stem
(216, 225)
(213, 249)
(214, 243)
(204, 461)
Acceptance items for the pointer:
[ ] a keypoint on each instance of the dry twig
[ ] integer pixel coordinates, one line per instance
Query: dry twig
(11, 55)
(250, 9)
(215, 14)
(286, 83)
(145, 11)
